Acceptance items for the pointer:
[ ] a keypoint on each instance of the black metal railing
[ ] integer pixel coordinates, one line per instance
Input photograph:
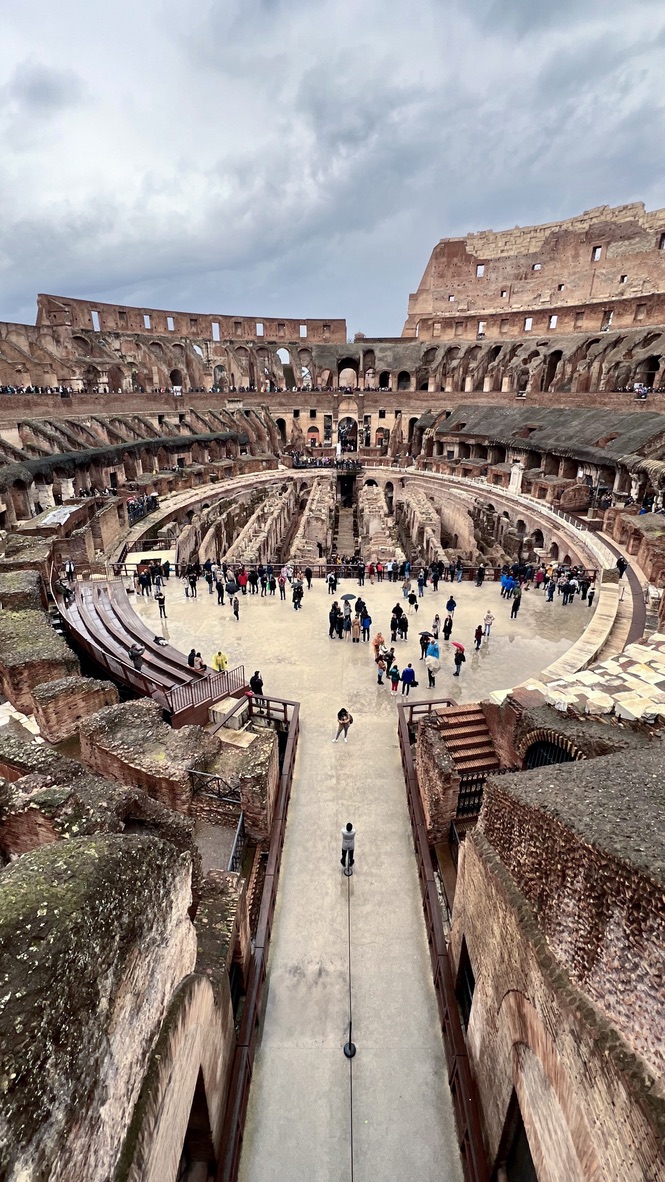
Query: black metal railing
(207, 784)
(235, 861)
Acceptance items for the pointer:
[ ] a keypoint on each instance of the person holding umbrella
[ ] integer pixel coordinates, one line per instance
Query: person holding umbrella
(459, 657)
(425, 638)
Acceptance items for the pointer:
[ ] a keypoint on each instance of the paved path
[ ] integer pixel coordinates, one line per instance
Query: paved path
(299, 1118)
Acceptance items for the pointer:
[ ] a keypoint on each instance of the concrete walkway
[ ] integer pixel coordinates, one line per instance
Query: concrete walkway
(299, 1119)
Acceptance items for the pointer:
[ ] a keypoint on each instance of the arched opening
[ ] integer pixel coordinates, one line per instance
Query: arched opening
(287, 368)
(567, 560)
(554, 552)
(389, 492)
(370, 484)
(219, 378)
(115, 379)
(494, 352)
(412, 424)
(197, 1159)
(647, 370)
(347, 434)
(545, 752)
(81, 344)
(381, 437)
(404, 380)
(347, 374)
(384, 380)
(522, 381)
(281, 427)
(326, 379)
(520, 526)
(91, 378)
(175, 378)
(549, 372)
(538, 539)
(313, 436)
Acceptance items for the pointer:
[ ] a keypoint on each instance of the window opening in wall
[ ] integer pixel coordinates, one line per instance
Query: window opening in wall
(504, 293)
(303, 330)
(661, 242)
(312, 412)
(237, 327)
(181, 461)
(326, 332)
(553, 321)
(596, 253)
(181, 417)
(193, 322)
(606, 321)
(459, 328)
(528, 323)
(94, 316)
(122, 319)
(481, 328)
(579, 319)
(537, 267)
(504, 326)
(480, 270)
(296, 413)
(160, 420)
(640, 311)
(281, 330)
(561, 286)
(466, 984)
(170, 323)
(215, 330)
(382, 413)
(259, 328)
(623, 278)
(514, 1160)
(451, 299)
(146, 321)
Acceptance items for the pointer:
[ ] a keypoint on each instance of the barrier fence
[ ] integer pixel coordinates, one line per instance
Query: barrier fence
(243, 1059)
(460, 1078)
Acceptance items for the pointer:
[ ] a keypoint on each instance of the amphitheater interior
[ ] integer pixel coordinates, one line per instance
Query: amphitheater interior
(517, 424)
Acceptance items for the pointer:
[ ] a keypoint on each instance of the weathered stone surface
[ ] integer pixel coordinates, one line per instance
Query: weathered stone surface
(61, 705)
(438, 780)
(21, 590)
(99, 927)
(30, 654)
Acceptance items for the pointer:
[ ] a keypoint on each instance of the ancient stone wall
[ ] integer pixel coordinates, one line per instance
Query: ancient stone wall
(21, 590)
(437, 780)
(420, 522)
(31, 653)
(315, 527)
(61, 705)
(379, 539)
(261, 538)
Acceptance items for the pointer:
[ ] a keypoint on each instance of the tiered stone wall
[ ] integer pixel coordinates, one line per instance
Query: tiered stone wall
(262, 536)
(420, 521)
(315, 528)
(378, 534)
(31, 653)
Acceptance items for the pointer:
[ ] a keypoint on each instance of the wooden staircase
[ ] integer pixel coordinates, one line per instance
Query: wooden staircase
(467, 737)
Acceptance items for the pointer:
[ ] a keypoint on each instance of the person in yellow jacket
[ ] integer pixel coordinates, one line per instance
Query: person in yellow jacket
(220, 661)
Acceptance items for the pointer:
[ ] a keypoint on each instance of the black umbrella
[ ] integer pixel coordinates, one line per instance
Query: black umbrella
(348, 596)
(231, 587)
(425, 633)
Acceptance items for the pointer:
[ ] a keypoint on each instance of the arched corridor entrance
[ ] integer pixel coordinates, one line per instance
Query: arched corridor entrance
(347, 433)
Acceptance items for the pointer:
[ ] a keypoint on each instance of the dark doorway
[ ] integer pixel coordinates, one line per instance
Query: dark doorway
(197, 1161)
(346, 487)
(347, 433)
(545, 752)
(514, 1160)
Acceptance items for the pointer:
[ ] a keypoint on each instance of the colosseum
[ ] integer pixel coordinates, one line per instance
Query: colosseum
(229, 540)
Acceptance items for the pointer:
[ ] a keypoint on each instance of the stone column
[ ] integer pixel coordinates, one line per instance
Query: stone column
(516, 474)
(67, 486)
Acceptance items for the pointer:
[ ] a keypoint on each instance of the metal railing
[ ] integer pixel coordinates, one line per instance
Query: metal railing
(243, 1058)
(418, 710)
(207, 784)
(235, 861)
(462, 1084)
(206, 690)
(470, 795)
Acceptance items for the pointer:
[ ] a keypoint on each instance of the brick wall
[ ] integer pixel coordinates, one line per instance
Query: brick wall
(61, 705)
(437, 780)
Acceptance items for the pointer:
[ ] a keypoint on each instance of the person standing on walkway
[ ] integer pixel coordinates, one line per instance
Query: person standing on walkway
(219, 586)
(308, 576)
(458, 570)
(355, 629)
(592, 592)
(192, 580)
(69, 570)
(403, 626)
(487, 623)
(361, 574)
(348, 847)
(421, 583)
(366, 624)
(408, 679)
(393, 676)
(406, 588)
(220, 661)
(459, 660)
(551, 586)
(380, 670)
(451, 605)
(413, 601)
(447, 627)
(236, 607)
(256, 686)
(436, 626)
(478, 636)
(160, 599)
(344, 720)
(282, 586)
(517, 601)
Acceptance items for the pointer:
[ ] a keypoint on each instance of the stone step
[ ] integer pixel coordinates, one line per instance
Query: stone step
(473, 730)
(478, 763)
(469, 742)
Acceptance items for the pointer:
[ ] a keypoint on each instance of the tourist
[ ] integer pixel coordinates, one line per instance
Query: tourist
(198, 663)
(424, 641)
(160, 599)
(478, 636)
(451, 605)
(487, 622)
(447, 627)
(377, 644)
(219, 586)
(209, 580)
(256, 686)
(242, 580)
(379, 572)
(366, 624)
(403, 626)
(371, 572)
(136, 652)
(413, 601)
(282, 586)
(592, 592)
(458, 570)
(480, 575)
(380, 669)
(308, 575)
(421, 584)
(406, 588)
(236, 607)
(220, 661)
(191, 658)
(517, 601)
(332, 619)
(69, 570)
(272, 584)
(393, 675)
(355, 629)
(348, 845)
(263, 579)
(408, 679)
(432, 662)
(297, 595)
(192, 580)
(459, 660)
(344, 720)
(436, 625)
(394, 624)
(551, 587)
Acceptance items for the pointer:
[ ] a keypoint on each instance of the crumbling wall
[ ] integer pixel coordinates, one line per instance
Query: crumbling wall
(437, 779)
(30, 654)
(61, 705)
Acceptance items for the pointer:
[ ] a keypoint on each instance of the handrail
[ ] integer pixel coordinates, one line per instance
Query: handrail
(243, 1058)
(462, 1084)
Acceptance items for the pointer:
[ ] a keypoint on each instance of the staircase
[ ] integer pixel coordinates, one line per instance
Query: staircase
(345, 542)
(468, 740)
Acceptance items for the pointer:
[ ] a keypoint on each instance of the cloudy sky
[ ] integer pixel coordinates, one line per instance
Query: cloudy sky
(302, 157)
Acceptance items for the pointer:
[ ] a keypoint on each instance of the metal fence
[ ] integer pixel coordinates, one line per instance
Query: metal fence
(460, 1078)
(206, 690)
(235, 861)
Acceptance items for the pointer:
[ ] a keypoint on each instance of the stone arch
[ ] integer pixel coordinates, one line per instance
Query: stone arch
(82, 344)
(347, 373)
(326, 379)
(550, 369)
(389, 492)
(384, 380)
(347, 433)
(404, 380)
(538, 539)
(116, 379)
(175, 378)
(546, 735)
(554, 552)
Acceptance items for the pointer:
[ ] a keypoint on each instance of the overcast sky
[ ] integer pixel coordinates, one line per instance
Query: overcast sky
(302, 157)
